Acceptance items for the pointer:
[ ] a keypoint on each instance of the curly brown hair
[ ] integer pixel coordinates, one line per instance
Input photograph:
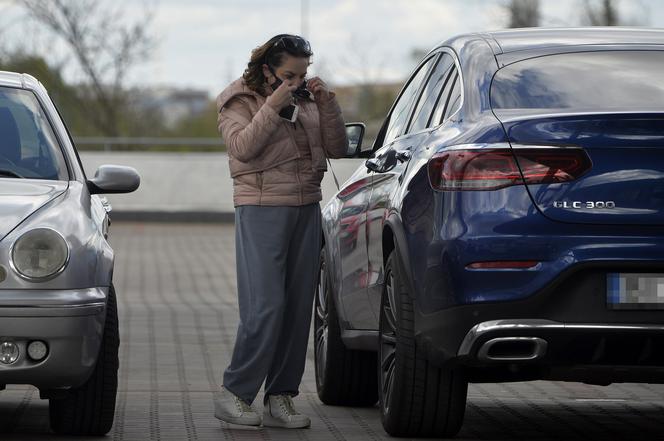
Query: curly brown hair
(273, 55)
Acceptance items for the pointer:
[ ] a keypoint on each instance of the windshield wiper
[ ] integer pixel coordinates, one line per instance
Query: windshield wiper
(9, 173)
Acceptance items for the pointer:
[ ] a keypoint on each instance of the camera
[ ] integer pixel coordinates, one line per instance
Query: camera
(289, 113)
(303, 93)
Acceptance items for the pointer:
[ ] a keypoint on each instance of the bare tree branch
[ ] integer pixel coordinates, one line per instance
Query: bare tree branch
(104, 45)
(371, 64)
(606, 13)
(603, 14)
(523, 13)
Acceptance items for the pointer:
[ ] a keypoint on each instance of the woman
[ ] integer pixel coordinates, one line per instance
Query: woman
(277, 164)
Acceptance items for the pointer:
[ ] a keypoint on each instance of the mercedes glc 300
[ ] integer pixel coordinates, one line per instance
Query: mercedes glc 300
(508, 225)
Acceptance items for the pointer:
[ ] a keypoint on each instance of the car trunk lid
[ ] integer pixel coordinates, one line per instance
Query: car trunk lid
(625, 183)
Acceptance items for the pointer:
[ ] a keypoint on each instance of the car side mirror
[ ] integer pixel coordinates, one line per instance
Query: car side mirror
(114, 179)
(354, 133)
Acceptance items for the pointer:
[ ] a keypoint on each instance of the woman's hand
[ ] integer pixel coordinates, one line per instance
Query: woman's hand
(281, 97)
(318, 88)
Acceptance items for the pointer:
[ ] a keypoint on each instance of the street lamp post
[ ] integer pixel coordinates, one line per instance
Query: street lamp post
(304, 18)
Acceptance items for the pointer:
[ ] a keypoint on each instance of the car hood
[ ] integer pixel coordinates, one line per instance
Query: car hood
(20, 198)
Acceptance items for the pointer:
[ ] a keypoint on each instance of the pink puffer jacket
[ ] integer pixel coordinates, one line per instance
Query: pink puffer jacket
(265, 162)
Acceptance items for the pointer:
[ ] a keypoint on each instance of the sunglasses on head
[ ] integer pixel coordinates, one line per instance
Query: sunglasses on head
(293, 44)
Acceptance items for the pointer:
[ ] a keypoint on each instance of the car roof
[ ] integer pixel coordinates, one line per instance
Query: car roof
(539, 38)
(18, 80)
(481, 54)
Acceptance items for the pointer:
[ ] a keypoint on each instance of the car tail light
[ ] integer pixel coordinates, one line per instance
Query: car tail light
(491, 169)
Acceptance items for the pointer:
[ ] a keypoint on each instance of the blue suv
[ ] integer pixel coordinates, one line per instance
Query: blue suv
(508, 225)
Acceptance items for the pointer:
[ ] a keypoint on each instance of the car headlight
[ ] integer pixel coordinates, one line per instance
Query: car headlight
(39, 254)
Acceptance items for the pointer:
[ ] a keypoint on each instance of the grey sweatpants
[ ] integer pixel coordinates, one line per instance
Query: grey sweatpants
(277, 251)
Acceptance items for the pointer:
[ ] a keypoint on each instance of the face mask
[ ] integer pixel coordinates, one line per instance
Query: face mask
(276, 83)
(303, 92)
(300, 92)
(277, 80)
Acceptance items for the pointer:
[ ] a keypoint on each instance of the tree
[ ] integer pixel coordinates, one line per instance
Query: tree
(603, 14)
(64, 95)
(417, 54)
(368, 67)
(523, 13)
(203, 124)
(607, 13)
(365, 64)
(105, 47)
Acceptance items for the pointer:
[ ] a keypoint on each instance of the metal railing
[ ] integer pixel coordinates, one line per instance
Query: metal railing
(149, 144)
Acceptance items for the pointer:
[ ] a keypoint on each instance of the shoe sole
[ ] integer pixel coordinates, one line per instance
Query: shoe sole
(269, 421)
(237, 421)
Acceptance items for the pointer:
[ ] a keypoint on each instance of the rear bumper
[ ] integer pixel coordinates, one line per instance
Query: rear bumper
(70, 322)
(577, 335)
(566, 351)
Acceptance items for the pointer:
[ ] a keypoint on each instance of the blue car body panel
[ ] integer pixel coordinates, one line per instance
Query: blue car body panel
(438, 234)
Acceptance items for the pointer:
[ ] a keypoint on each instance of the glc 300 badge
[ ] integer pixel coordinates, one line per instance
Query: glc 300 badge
(587, 204)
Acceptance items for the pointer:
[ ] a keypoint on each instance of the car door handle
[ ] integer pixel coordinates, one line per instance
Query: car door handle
(373, 165)
(388, 160)
(404, 155)
(382, 163)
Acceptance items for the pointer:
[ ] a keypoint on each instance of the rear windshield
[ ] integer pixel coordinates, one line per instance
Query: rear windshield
(583, 81)
(28, 146)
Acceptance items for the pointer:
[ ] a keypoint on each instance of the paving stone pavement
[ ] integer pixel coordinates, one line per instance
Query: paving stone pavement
(178, 312)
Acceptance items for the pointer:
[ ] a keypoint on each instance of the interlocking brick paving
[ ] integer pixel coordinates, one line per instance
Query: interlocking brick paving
(178, 313)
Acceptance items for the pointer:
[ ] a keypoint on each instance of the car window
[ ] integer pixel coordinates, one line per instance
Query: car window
(29, 147)
(616, 80)
(71, 140)
(444, 98)
(455, 99)
(401, 110)
(430, 93)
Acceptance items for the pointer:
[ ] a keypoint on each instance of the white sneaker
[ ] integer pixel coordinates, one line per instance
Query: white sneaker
(231, 409)
(280, 412)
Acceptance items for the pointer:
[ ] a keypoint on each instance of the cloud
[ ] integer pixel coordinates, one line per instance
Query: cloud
(206, 43)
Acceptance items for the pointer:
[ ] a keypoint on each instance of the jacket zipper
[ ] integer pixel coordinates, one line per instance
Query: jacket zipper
(292, 137)
(260, 187)
(297, 178)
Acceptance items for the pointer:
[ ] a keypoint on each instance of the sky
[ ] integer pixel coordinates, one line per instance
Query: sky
(205, 44)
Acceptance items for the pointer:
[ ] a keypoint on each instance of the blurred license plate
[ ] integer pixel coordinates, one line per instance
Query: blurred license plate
(635, 290)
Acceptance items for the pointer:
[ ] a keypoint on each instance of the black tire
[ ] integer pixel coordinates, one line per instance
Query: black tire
(416, 399)
(344, 377)
(90, 408)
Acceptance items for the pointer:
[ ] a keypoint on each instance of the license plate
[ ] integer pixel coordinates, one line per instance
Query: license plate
(635, 290)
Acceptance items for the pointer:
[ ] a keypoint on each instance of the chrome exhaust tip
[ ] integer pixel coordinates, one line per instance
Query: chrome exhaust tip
(512, 349)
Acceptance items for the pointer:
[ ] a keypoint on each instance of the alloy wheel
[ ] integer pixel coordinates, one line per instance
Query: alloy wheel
(321, 326)
(388, 343)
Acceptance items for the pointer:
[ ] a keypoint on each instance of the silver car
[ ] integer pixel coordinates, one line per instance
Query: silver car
(58, 315)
